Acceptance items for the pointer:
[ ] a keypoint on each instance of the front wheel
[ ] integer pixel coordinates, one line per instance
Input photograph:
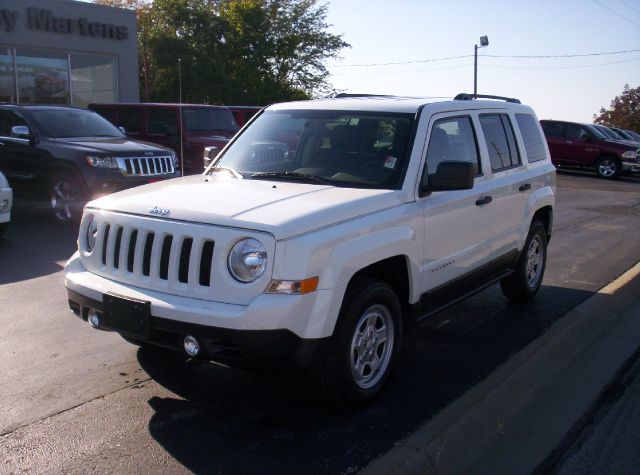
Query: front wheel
(608, 167)
(526, 279)
(65, 198)
(357, 360)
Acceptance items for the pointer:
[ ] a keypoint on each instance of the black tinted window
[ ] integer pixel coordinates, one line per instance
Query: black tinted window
(106, 112)
(129, 118)
(533, 142)
(163, 122)
(203, 119)
(60, 123)
(575, 131)
(553, 129)
(501, 144)
(452, 139)
(9, 119)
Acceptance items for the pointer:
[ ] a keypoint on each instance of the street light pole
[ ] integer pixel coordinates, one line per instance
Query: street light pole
(484, 41)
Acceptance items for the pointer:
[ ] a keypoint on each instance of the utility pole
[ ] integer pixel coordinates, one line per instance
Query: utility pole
(484, 41)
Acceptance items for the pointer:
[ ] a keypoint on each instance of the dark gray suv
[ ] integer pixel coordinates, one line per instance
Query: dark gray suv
(66, 156)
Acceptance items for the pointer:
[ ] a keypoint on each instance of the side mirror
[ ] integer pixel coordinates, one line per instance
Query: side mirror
(121, 129)
(450, 175)
(21, 132)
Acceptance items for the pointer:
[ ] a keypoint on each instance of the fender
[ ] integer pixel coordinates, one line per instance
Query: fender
(540, 198)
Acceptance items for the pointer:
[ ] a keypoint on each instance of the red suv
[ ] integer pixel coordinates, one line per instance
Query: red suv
(198, 126)
(582, 145)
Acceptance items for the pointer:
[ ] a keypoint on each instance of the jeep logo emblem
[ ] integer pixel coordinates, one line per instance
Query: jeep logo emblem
(159, 211)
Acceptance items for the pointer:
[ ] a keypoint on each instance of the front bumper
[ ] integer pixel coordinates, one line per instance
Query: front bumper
(632, 167)
(6, 194)
(106, 181)
(282, 328)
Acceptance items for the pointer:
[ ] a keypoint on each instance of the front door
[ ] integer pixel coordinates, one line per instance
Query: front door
(458, 224)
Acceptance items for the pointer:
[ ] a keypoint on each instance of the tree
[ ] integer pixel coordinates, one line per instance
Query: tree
(624, 112)
(233, 51)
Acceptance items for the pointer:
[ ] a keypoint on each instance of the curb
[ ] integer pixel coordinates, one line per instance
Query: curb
(514, 420)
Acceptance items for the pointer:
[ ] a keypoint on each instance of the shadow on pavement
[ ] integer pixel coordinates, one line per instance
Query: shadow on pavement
(232, 421)
(35, 245)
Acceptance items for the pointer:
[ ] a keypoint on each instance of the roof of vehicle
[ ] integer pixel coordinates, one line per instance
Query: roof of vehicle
(156, 104)
(396, 104)
(40, 106)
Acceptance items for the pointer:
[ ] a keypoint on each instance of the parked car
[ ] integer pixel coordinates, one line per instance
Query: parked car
(198, 126)
(320, 251)
(626, 135)
(244, 113)
(583, 145)
(6, 199)
(68, 156)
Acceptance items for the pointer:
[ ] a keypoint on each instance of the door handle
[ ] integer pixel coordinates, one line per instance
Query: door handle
(569, 141)
(484, 201)
(525, 187)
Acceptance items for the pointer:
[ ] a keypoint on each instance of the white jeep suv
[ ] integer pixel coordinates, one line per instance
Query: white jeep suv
(320, 232)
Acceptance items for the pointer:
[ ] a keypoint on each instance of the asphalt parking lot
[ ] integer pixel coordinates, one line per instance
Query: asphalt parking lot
(78, 400)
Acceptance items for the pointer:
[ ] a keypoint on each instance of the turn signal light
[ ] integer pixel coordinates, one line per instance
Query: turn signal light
(293, 287)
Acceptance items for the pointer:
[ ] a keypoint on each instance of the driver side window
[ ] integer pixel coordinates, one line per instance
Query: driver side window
(9, 119)
(452, 139)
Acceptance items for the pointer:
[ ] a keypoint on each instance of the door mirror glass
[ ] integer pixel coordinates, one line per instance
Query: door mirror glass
(450, 175)
(20, 132)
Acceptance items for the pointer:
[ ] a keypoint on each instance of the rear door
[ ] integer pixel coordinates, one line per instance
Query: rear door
(510, 187)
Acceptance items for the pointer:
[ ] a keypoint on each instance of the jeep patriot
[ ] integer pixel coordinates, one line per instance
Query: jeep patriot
(323, 231)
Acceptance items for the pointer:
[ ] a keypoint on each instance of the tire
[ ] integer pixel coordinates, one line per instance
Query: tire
(65, 198)
(525, 281)
(369, 329)
(608, 167)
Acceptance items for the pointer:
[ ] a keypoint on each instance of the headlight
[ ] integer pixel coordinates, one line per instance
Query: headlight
(247, 260)
(629, 154)
(101, 162)
(91, 233)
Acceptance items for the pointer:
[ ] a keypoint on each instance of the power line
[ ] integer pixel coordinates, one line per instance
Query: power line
(616, 13)
(431, 60)
(561, 67)
(583, 55)
(630, 6)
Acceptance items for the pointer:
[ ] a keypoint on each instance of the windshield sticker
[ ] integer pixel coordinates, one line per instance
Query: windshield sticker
(390, 162)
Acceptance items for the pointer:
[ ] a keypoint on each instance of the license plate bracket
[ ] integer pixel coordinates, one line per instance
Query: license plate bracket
(126, 315)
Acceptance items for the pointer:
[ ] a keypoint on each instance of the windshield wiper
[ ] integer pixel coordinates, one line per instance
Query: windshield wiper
(294, 176)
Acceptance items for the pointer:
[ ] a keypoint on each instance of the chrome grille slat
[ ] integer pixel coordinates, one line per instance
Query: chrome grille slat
(146, 166)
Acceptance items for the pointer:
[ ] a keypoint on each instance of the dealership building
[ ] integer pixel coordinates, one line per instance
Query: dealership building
(67, 52)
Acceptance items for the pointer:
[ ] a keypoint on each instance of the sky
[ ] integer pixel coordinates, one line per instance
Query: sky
(413, 31)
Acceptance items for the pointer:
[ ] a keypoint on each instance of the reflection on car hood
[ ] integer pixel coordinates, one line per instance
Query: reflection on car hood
(110, 145)
(284, 209)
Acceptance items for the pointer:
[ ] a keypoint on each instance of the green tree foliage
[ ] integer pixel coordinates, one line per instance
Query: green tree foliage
(624, 111)
(233, 51)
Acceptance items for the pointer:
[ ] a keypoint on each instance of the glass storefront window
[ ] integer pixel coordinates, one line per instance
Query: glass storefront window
(7, 76)
(93, 79)
(43, 77)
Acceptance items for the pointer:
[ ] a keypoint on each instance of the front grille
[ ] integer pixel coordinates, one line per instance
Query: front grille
(125, 247)
(169, 256)
(146, 166)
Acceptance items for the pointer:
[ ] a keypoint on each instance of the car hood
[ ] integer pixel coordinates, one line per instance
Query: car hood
(284, 209)
(111, 145)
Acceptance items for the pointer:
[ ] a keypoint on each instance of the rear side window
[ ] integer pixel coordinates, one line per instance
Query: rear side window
(130, 118)
(533, 142)
(553, 129)
(501, 143)
(163, 122)
(452, 139)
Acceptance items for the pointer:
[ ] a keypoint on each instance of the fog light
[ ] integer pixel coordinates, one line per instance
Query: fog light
(4, 205)
(191, 345)
(93, 317)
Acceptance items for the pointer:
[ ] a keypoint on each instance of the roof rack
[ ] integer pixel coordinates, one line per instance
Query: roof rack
(345, 94)
(467, 97)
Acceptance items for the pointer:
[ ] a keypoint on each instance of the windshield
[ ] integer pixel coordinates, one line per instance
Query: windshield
(353, 149)
(606, 132)
(65, 123)
(203, 119)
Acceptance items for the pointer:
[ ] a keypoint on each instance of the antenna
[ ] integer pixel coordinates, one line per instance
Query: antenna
(180, 110)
